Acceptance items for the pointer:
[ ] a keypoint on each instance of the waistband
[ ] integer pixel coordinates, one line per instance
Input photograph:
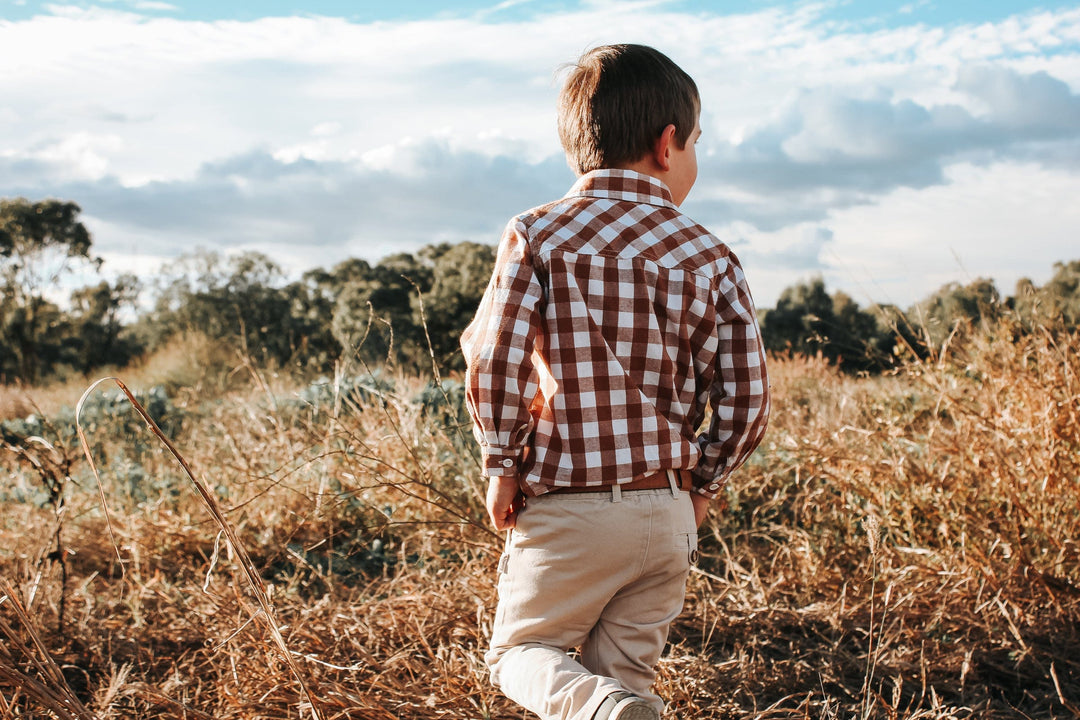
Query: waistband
(674, 479)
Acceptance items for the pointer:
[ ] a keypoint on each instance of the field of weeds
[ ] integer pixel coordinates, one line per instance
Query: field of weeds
(905, 546)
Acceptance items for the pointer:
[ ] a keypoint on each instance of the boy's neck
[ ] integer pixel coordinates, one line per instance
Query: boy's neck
(672, 165)
(644, 167)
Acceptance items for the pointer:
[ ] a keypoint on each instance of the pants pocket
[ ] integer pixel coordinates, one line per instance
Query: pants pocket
(686, 544)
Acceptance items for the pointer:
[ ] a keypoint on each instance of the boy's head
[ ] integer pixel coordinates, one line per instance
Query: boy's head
(616, 103)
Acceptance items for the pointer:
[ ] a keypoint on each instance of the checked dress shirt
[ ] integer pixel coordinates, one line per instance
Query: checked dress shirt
(612, 325)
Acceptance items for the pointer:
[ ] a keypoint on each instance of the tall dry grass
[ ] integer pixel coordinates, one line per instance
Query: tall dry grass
(190, 362)
(900, 547)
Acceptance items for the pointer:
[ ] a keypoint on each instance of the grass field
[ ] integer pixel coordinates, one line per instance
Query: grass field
(905, 546)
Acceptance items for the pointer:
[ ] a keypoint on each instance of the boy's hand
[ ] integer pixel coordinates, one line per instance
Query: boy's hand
(701, 507)
(503, 501)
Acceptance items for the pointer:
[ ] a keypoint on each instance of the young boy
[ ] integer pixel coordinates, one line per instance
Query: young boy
(612, 322)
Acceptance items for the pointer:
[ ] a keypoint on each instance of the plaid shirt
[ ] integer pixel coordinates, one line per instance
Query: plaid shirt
(611, 323)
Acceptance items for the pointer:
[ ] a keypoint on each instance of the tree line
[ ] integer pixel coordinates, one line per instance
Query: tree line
(808, 320)
(407, 309)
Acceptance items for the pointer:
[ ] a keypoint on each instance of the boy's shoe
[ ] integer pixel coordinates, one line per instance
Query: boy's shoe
(625, 706)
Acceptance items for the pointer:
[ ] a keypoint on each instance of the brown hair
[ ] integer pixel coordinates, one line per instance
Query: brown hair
(616, 102)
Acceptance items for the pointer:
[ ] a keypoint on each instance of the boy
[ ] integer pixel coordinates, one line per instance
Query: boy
(611, 323)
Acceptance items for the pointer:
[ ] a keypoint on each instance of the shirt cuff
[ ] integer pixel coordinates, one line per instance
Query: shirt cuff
(500, 461)
(709, 487)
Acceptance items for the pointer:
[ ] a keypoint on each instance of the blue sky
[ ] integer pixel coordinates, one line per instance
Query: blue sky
(887, 147)
(873, 12)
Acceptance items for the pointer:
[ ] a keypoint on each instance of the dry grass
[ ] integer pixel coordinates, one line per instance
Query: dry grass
(901, 547)
(14, 402)
(17, 401)
(181, 365)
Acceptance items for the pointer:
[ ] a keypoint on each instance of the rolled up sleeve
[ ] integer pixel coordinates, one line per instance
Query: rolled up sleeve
(739, 395)
(501, 378)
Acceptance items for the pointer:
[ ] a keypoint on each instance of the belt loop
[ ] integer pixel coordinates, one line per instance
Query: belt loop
(616, 493)
(673, 480)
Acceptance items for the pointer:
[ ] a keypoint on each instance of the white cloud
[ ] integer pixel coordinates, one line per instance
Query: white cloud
(154, 6)
(504, 5)
(912, 7)
(79, 156)
(326, 129)
(1035, 104)
(1005, 221)
(419, 193)
(357, 137)
(824, 151)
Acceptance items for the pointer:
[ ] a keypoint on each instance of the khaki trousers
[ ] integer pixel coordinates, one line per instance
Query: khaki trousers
(602, 573)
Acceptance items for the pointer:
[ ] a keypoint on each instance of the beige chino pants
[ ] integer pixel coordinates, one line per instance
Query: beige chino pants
(597, 572)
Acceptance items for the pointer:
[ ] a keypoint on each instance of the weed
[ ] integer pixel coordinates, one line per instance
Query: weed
(360, 506)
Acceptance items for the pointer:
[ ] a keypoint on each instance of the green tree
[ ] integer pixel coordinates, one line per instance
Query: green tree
(953, 308)
(96, 336)
(798, 321)
(860, 339)
(235, 300)
(1056, 302)
(808, 321)
(311, 307)
(39, 244)
(461, 273)
(375, 313)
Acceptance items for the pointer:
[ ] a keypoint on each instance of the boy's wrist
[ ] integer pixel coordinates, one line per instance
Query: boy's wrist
(503, 501)
(502, 480)
(701, 507)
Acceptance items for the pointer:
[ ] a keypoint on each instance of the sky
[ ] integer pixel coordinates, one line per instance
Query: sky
(887, 147)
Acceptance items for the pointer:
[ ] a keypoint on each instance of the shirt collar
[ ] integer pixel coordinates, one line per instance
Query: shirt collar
(623, 185)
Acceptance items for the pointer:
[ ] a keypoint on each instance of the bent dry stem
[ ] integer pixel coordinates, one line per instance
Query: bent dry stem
(255, 583)
(969, 461)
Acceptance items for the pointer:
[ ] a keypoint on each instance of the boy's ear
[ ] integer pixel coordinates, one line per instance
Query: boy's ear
(662, 148)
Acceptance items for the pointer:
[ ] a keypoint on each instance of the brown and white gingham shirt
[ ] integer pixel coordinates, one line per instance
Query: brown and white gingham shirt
(611, 323)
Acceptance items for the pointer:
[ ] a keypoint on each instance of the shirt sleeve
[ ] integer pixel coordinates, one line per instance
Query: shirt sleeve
(501, 380)
(739, 396)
